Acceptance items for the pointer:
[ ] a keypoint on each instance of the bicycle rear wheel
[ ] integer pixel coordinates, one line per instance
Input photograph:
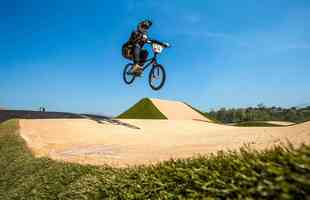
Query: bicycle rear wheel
(157, 77)
(128, 76)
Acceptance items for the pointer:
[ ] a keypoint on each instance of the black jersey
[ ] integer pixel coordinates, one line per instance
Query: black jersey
(137, 37)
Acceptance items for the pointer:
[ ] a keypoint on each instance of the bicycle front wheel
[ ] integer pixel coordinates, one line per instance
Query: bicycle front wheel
(157, 77)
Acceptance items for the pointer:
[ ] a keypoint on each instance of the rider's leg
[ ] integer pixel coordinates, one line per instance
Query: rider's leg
(143, 56)
(136, 52)
(137, 59)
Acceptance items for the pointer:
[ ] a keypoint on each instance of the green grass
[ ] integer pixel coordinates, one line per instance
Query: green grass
(144, 109)
(257, 124)
(280, 173)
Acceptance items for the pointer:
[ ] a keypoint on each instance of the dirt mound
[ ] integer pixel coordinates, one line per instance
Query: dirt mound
(177, 110)
(162, 109)
(87, 141)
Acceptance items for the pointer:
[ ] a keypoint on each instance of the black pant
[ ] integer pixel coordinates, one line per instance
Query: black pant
(140, 55)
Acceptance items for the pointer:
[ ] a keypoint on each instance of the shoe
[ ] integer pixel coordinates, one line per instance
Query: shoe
(137, 70)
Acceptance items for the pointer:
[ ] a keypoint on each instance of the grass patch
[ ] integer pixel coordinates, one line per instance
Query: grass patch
(144, 109)
(257, 124)
(280, 173)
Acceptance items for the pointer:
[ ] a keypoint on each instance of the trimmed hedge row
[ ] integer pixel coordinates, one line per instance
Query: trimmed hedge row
(280, 173)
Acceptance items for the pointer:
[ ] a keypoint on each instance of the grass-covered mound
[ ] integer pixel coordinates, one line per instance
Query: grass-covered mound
(257, 124)
(144, 109)
(280, 173)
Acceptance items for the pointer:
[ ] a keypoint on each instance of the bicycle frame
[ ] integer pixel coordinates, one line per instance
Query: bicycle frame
(153, 60)
(157, 48)
(150, 61)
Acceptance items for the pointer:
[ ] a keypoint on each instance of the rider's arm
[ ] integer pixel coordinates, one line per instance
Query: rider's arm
(145, 38)
(135, 37)
(150, 41)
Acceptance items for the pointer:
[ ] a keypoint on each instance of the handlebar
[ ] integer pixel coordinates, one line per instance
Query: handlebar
(164, 44)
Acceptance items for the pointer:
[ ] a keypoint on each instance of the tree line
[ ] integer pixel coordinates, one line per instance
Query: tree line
(261, 113)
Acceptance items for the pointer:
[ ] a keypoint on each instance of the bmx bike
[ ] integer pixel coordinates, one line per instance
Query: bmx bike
(157, 75)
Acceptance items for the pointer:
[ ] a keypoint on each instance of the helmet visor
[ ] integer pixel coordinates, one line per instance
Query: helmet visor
(145, 26)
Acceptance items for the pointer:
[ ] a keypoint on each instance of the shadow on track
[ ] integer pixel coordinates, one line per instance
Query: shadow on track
(25, 114)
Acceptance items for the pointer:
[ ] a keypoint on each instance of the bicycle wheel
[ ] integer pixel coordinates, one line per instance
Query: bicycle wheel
(157, 77)
(127, 75)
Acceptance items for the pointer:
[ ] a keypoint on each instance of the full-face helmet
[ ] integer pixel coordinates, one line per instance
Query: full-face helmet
(144, 26)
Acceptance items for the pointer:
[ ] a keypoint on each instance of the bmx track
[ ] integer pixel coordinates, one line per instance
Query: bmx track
(86, 141)
(127, 142)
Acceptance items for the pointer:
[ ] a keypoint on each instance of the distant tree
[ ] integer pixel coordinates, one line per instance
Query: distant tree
(261, 106)
(262, 113)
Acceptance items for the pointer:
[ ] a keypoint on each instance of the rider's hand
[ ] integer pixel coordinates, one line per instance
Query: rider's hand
(144, 38)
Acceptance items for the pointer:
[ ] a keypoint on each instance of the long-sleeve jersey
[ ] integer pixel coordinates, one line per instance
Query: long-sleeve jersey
(138, 37)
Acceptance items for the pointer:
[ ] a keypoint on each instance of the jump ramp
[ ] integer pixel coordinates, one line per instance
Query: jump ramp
(162, 109)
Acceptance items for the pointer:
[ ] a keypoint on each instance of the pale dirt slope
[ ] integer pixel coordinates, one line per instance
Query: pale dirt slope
(86, 141)
(282, 123)
(177, 110)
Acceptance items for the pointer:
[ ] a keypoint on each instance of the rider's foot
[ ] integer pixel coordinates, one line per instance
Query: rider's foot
(139, 74)
(137, 70)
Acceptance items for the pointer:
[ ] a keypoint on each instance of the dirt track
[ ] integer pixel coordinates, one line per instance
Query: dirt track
(176, 110)
(281, 123)
(86, 141)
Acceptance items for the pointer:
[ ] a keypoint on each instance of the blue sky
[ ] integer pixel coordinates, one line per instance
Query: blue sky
(65, 55)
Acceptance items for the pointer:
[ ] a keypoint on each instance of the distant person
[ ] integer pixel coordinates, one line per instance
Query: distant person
(133, 49)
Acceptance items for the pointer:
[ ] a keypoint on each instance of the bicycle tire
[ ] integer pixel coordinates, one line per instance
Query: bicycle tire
(126, 72)
(157, 68)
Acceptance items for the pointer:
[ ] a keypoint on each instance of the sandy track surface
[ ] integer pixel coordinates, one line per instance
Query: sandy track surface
(282, 123)
(86, 141)
(177, 110)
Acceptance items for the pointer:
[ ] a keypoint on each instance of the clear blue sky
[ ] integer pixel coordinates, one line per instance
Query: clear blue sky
(65, 55)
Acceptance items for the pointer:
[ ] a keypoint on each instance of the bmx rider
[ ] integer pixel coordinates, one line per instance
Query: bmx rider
(133, 48)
